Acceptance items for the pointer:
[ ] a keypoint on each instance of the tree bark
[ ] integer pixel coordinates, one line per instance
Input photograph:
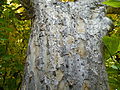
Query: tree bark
(65, 47)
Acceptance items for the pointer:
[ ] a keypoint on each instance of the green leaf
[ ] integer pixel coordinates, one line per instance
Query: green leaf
(114, 67)
(118, 47)
(113, 3)
(112, 44)
(111, 70)
(2, 20)
(7, 29)
(3, 39)
(7, 57)
(19, 66)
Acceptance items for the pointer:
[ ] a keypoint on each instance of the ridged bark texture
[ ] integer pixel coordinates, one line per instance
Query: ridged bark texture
(65, 47)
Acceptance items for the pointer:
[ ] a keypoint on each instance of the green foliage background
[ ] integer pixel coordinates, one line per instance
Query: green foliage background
(112, 48)
(14, 33)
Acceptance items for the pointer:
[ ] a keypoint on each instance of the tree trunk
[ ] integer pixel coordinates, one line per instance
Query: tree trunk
(65, 47)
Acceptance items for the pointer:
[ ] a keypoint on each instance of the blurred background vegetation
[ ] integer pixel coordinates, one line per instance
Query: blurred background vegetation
(15, 28)
(14, 35)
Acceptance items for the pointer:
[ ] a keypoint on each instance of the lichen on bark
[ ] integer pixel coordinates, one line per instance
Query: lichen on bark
(65, 47)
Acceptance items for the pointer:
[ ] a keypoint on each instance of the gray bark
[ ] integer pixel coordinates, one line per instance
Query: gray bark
(65, 47)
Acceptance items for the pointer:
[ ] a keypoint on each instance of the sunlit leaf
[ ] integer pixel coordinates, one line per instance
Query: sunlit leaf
(114, 67)
(113, 3)
(111, 43)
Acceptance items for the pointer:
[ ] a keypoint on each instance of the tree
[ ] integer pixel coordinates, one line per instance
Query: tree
(65, 46)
